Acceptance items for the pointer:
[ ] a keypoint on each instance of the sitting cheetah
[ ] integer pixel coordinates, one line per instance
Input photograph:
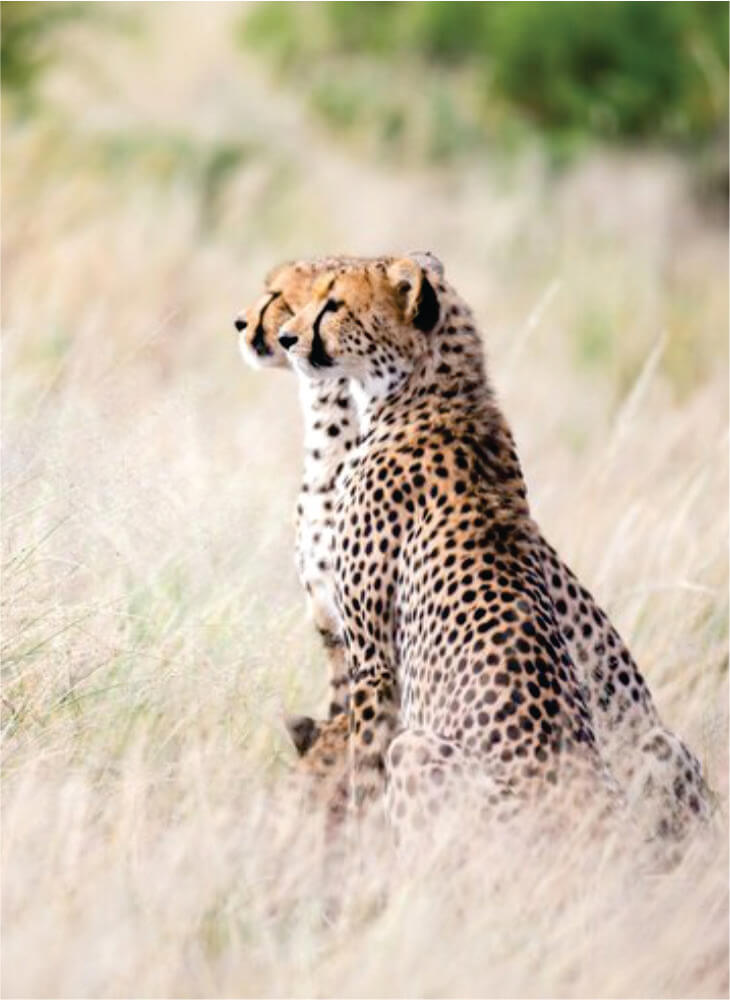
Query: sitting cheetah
(436, 508)
(442, 598)
(330, 434)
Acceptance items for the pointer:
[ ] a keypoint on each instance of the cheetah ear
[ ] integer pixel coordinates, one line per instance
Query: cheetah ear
(414, 293)
(428, 261)
(274, 272)
(303, 731)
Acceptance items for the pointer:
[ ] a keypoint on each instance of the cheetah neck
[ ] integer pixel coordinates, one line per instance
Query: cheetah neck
(331, 428)
(448, 394)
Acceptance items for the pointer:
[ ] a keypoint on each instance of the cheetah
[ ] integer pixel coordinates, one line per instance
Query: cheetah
(447, 622)
(331, 430)
(438, 478)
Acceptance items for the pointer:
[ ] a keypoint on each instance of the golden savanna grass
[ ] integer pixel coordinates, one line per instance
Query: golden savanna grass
(153, 631)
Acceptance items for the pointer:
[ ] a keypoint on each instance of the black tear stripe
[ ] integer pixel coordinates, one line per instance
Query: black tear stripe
(428, 311)
(258, 343)
(318, 356)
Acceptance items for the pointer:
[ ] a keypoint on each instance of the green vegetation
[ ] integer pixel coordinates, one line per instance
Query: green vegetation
(572, 71)
(432, 81)
(27, 41)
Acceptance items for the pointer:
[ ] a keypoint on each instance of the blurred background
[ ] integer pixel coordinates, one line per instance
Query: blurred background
(569, 164)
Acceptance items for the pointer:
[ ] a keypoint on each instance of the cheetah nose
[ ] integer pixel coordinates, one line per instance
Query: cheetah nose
(240, 324)
(287, 340)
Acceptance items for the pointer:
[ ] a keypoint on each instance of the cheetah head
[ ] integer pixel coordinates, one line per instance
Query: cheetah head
(367, 320)
(288, 288)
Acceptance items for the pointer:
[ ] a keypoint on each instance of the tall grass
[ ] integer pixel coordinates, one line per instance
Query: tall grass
(153, 629)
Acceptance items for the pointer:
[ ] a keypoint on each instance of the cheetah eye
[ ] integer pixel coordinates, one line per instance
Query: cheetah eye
(401, 292)
(332, 305)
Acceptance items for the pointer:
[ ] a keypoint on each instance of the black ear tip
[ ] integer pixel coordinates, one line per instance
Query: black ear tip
(302, 729)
